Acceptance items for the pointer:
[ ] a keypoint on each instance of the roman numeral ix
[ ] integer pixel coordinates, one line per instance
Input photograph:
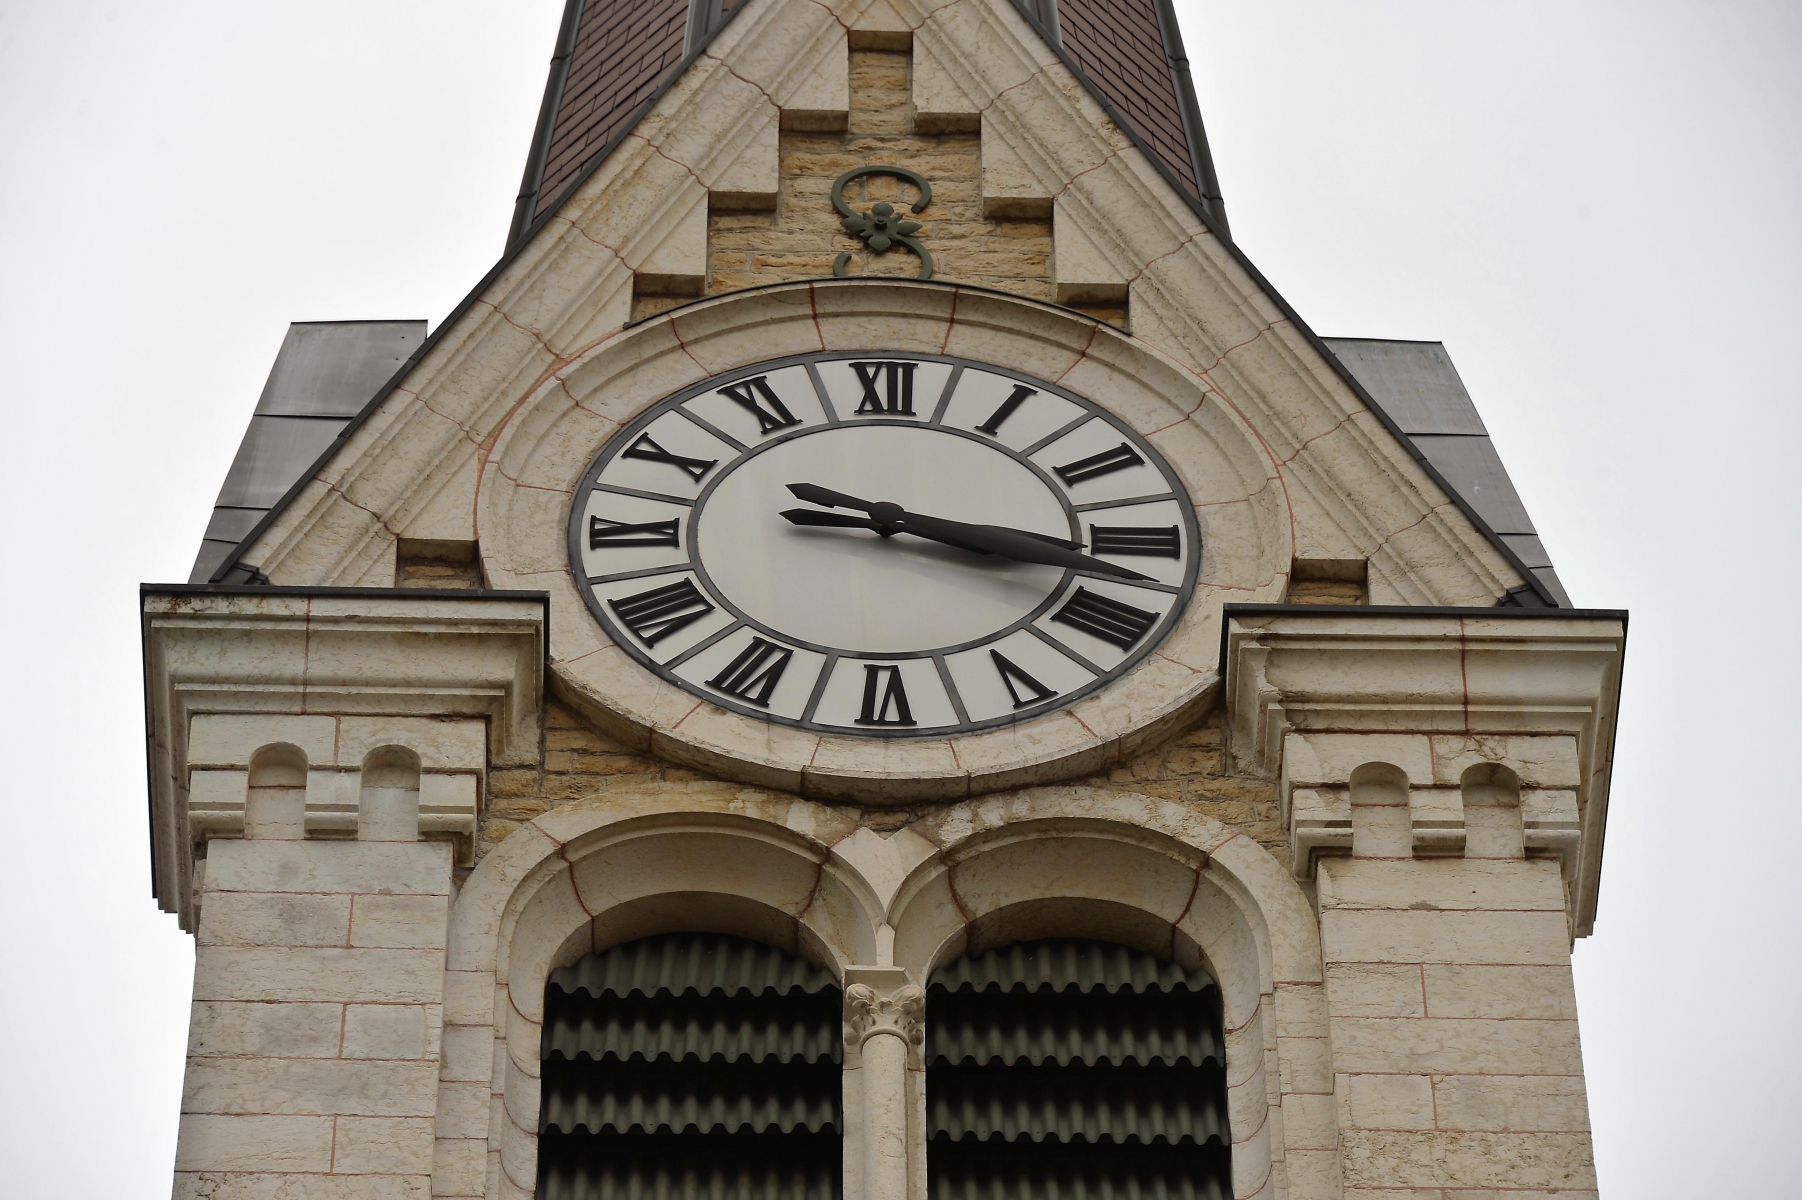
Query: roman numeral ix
(895, 396)
(753, 675)
(992, 426)
(753, 395)
(1105, 618)
(1012, 674)
(884, 697)
(650, 451)
(654, 615)
(603, 533)
(1150, 541)
(1105, 463)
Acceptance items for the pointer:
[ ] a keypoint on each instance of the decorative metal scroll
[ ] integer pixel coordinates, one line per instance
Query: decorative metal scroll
(882, 227)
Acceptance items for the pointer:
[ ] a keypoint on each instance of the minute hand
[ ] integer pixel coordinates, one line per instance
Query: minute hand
(1016, 544)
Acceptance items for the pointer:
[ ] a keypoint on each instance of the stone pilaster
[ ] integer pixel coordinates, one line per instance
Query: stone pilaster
(1443, 778)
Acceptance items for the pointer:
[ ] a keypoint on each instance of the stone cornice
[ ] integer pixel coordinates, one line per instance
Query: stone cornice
(327, 651)
(1469, 672)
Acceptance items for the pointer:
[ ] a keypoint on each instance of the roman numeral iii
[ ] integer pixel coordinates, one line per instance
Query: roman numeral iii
(1105, 463)
(756, 397)
(1105, 618)
(1150, 541)
(654, 615)
(754, 674)
(1011, 674)
(884, 697)
(603, 533)
(650, 451)
(888, 388)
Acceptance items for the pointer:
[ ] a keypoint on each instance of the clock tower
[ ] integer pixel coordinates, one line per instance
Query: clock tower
(875, 657)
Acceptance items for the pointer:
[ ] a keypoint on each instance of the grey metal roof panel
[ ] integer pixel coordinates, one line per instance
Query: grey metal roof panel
(274, 453)
(1419, 389)
(325, 373)
(1472, 465)
(332, 368)
(1414, 381)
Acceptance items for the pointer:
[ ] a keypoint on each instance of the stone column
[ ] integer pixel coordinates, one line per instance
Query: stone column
(886, 1028)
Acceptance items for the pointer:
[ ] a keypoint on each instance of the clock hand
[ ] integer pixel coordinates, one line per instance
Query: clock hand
(1016, 544)
(890, 515)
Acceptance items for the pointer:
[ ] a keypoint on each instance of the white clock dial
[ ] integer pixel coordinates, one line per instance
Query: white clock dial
(883, 545)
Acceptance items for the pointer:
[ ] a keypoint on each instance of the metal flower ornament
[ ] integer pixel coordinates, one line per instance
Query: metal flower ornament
(882, 227)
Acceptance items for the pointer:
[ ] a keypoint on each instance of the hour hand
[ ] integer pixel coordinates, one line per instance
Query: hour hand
(813, 493)
(831, 520)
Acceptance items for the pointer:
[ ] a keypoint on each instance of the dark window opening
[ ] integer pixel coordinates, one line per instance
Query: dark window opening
(1068, 1069)
(691, 1067)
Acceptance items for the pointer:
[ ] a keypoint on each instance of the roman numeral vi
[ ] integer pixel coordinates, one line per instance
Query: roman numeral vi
(1105, 618)
(654, 615)
(753, 675)
(753, 395)
(895, 396)
(1151, 541)
(1105, 463)
(884, 697)
(650, 451)
(602, 532)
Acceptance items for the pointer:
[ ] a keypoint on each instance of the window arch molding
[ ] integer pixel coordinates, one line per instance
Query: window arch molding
(659, 860)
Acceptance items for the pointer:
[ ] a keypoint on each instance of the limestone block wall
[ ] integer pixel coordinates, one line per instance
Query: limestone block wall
(314, 1042)
(1453, 1022)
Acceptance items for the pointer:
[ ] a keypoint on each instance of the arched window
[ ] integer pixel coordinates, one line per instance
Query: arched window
(1075, 1070)
(691, 1067)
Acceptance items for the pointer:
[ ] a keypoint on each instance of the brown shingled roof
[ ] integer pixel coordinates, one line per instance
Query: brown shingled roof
(613, 56)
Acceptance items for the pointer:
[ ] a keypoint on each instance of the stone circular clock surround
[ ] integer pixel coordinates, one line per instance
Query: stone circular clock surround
(537, 466)
(678, 531)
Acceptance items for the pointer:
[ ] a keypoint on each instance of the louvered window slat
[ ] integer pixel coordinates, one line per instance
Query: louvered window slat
(691, 1067)
(1068, 1069)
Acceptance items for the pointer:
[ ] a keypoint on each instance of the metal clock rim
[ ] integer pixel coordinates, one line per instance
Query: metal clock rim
(615, 445)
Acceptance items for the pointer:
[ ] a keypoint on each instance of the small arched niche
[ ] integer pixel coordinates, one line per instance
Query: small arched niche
(1381, 824)
(388, 802)
(691, 1066)
(1492, 812)
(276, 803)
(1075, 1067)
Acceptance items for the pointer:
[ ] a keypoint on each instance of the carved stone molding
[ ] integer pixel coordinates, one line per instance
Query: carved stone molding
(1316, 695)
(455, 680)
(900, 1013)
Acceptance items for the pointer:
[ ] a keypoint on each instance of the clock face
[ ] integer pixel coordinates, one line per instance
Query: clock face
(888, 546)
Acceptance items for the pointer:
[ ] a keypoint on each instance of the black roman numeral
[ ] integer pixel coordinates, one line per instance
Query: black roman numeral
(884, 697)
(1150, 541)
(1012, 674)
(895, 398)
(602, 532)
(654, 615)
(753, 675)
(752, 395)
(1106, 618)
(650, 451)
(993, 424)
(1108, 461)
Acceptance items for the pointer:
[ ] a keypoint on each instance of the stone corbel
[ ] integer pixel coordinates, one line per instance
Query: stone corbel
(1313, 697)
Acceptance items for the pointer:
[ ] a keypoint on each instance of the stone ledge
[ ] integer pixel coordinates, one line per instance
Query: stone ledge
(1315, 692)
(340, 671)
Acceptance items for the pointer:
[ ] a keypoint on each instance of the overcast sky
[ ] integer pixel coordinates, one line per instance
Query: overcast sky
(1594, 205)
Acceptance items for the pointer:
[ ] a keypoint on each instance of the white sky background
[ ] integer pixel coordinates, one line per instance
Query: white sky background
(1594, 205)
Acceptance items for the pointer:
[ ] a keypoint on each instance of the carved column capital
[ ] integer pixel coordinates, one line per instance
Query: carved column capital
(900, 1012)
